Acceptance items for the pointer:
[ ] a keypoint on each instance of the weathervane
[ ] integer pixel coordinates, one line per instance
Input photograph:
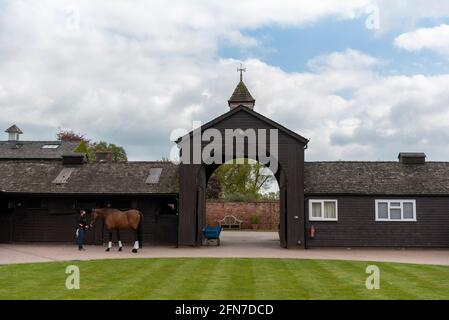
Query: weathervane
(241, 70)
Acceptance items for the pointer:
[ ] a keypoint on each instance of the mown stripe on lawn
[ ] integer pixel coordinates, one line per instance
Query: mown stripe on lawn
(240, 276)
(121, 279)
(223, 278)
(328, 277)
(146, 278)
(308, 283)
(40, 280)
(218, 278)
(274, 280)
(411, 284)
(187, 282)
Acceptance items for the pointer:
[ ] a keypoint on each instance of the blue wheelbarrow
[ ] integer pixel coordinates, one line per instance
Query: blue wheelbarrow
(212, 233)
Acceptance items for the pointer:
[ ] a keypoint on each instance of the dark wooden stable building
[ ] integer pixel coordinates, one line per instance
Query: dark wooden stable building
(42, 192)
(350, 204)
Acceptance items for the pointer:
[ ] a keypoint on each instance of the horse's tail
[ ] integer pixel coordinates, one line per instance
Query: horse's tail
(140, 230)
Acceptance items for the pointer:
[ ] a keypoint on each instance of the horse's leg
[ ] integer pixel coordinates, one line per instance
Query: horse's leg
(136, 241)
(119, 242)
(110, 241)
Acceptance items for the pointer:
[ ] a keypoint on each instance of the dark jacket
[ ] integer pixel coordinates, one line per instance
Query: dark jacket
(82, 224)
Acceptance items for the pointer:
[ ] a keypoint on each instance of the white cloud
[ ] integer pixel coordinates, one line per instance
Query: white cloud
(347, 60)
(130, 72)
(435, 39)
(405, 15)
(382, 116)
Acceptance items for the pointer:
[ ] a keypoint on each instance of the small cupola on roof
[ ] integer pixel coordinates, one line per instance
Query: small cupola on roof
(13, 133)
(241, 95)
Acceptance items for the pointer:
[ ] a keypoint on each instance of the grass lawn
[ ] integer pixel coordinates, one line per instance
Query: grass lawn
(198, 278)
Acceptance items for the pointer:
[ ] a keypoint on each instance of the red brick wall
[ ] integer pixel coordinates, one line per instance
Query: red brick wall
(267, 211)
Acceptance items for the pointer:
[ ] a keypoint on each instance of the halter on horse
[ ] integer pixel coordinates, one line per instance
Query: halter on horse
(118, 220)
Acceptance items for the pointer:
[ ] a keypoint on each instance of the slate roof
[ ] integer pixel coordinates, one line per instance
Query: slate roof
(387, 178)
(321, 178)
(10, 150)
(91, 178)
(241, 94)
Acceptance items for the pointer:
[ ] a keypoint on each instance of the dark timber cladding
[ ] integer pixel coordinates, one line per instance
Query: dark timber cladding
(356, 225)
(357, 185)
(40, 200)
(290, 176)
(46, 218)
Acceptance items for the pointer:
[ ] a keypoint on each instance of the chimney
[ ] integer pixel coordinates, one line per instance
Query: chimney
(104, 156)
(412, 158)
(74, 158)
(13, 133)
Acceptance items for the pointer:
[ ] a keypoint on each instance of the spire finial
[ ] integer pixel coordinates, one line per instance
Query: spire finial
(241, 70)
(241, 95)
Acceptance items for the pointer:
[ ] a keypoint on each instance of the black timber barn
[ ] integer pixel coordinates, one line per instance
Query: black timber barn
(44, 184)
(401, 203)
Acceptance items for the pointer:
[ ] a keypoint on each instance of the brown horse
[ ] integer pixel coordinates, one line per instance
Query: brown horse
(117, 220)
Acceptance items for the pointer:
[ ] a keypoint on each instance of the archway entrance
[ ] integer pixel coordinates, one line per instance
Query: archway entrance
(289, 174)
(242, 196)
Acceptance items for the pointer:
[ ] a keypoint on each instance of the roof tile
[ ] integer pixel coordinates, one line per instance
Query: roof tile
(241, 94)
(90, 178)
(10, 150)
(387, 178)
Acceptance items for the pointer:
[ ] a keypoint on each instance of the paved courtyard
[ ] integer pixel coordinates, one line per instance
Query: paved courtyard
(234, 244)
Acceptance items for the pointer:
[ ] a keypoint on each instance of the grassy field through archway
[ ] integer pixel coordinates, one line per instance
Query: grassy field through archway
(215, 278)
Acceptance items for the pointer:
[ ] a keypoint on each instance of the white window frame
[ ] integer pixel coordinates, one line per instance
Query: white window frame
(322, 201)
(401, 201)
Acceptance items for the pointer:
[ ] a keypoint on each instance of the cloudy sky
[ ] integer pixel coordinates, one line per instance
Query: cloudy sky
(363, 79)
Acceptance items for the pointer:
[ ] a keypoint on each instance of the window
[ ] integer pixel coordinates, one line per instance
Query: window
(63, 176)
(323, 210)
(154, 176)
(395, 210)
(50, 146)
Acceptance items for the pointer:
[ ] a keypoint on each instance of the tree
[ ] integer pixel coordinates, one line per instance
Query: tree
(243, 180)
(119, 153)
(70, 135)
(88, 147)
(85, 148)
(271, 196)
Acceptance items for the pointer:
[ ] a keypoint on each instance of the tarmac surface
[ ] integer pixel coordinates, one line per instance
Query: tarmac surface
(234, 244)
